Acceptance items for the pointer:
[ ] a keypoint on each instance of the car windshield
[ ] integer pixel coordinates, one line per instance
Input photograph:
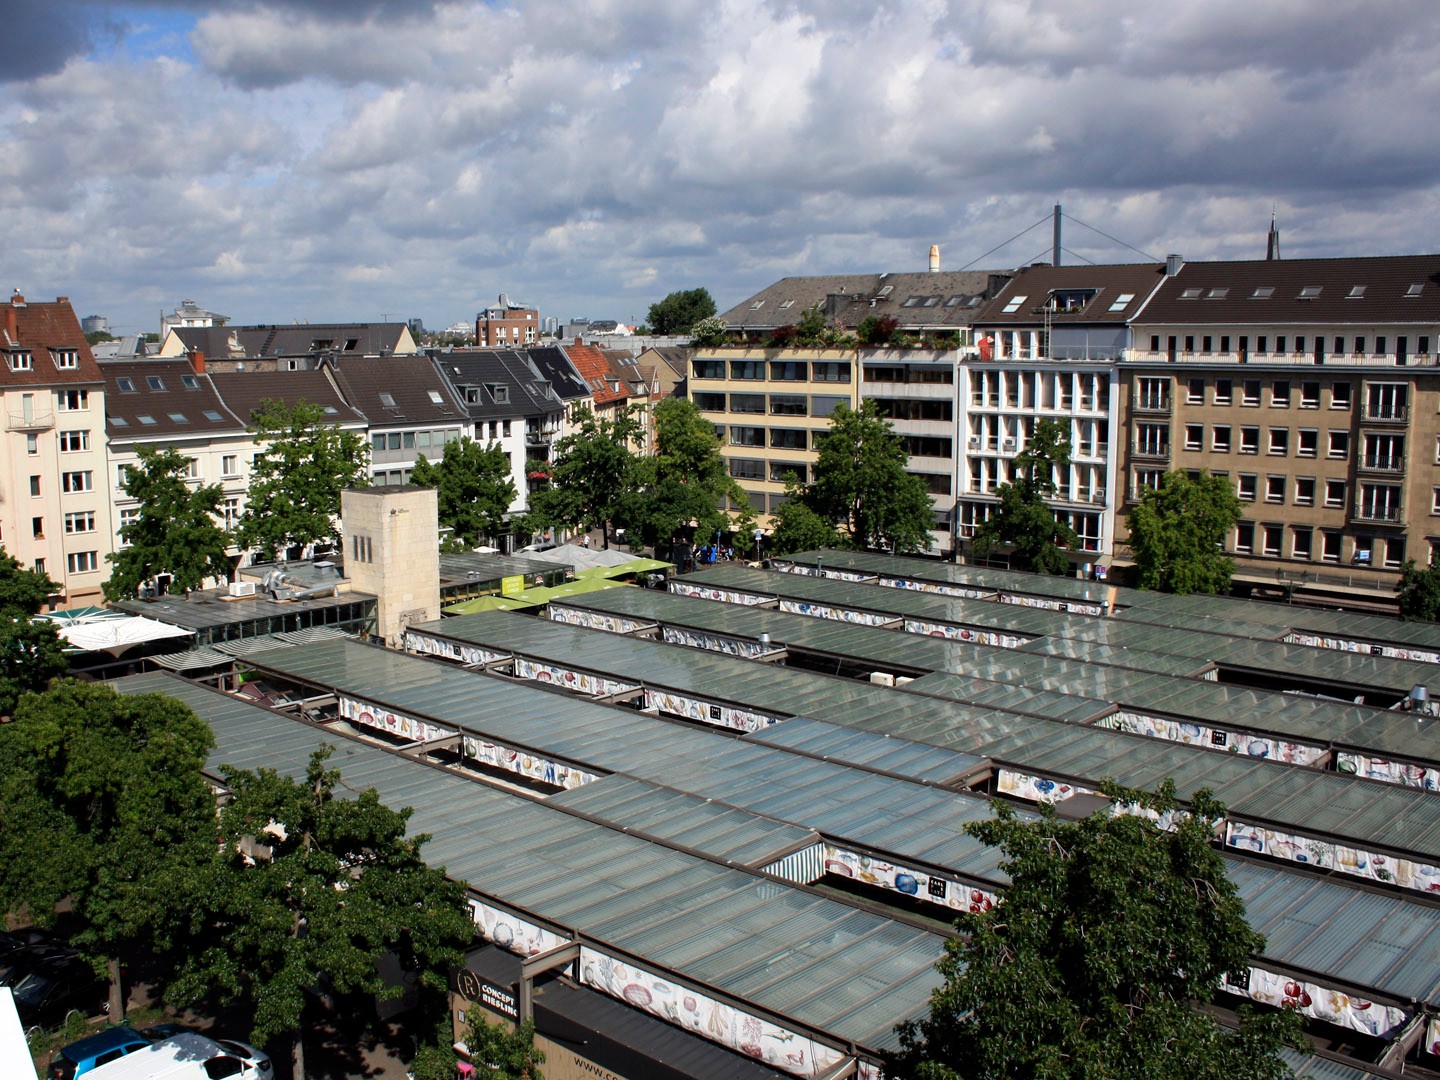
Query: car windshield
(30, 989)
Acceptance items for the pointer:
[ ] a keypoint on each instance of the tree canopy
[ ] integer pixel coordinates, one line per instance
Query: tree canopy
(680, 311)
(31, 653)
(334, 884)
(474, 488)
(103, 803)
(1024, 520)
(297, 478)
(1110, 932)
(1178, 532)
(861, 486)
(685, 480)
(797, 525)
(1419, 591)
(175, 532)
(593, 474)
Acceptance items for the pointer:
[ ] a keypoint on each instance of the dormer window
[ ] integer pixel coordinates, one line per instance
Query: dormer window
(1064, 301)
(21, 361)
(66, 359)
(498, 392)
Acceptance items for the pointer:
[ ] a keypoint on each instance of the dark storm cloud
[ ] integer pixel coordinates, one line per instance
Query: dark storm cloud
(39, 37)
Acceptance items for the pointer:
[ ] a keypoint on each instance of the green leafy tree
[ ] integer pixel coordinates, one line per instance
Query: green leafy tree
(593, 474)
(1178, 531)
(709, 333)
(878, 330)
(297, 477)
(861, 484)
(1110, 932)
(680, 311)
(810, 330)
(509, 1054)
(686, 479)
(103, 805)
(336, 885)
(798, 527)
(31, 653)
(1024, 519)
(1419, 592)
(175, 533)
(474, 488)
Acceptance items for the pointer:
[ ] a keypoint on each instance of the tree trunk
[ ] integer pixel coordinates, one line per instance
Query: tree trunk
(297, 1055)
(117, 992)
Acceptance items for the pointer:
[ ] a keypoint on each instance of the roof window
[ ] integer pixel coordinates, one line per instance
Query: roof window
(1014, 304)
(178, 418)
(435, 398)
(387, 399)
(1310, 292)
(155, 382)
(1121, 300)
(126, 384)
(1415, 289)
(1263, 292)
(145, 419)
(1190, 294)
(190, 382)
(1355, 293)
(1218, 293)
(211, 414)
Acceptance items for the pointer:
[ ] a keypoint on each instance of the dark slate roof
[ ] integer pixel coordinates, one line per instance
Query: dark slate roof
(1036, 285)
(527, 391)
(942, 300)
(159, 398)
(303, 339)
(37, 328)
(556, 367)
(244, 391)
(397, 391)
(1385, 284)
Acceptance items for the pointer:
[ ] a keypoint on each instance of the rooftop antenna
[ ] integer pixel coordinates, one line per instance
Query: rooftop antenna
(1055, 247)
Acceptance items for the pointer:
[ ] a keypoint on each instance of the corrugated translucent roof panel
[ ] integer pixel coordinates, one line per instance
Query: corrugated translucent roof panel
(615, 888)
(891, 754)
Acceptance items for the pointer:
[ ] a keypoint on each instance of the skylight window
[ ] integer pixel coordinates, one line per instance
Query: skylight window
(435, 398)
(118, 421)
(912, 301)
(1263, 292)
(757, 305)
(191, 382)
(330, 410)
(956, 300)
(786, 303)
(884, 292)
(211, 414)
(1311, 292)
(387, 399)
(178, 418)
(127, 385)
(1014, 304)
(1414, 289)
(932, 301)
(1121, 300)
(1190, 294)
(155, 382)
(1355, 293)
(1217, 294)
(148, 421)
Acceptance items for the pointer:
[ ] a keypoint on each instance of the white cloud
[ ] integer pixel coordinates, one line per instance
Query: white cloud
(332, 160)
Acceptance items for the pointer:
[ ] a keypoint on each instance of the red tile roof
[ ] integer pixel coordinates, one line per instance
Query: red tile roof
(34, 336)
(594, 368)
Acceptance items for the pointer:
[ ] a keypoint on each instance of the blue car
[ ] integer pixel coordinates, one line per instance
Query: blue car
(88, 1053)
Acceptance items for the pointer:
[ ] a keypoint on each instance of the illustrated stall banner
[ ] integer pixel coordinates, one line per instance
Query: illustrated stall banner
(707, 592)
(555, 773)
(708, 712)
(1317, 1001)
(598, 620)
(821, 571)
(943, 892)
(1193, 734)
(1037, 788)
(839, 614)
(702, 1015)
(1001, 638)
(450, 650)
(1074, 607)
(1391, 772)
(367, 714)
(511, 932)
(967, 592)
(1432, 1035)
(699, 639)
(1398, 652)
(580, 682)
(1356, 862)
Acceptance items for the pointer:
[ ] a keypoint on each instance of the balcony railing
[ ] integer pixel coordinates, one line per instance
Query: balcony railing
(34, 422)
(1151, 406)
(1383, 513)
(1381, 463)
(1152, 452)
(1385, 414)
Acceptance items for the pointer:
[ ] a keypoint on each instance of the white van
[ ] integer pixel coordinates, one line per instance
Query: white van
(181, 1057)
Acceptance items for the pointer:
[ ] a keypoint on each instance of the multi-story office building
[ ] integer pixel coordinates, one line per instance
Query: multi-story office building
(1310, 384)
(507, 325)
(55, 515)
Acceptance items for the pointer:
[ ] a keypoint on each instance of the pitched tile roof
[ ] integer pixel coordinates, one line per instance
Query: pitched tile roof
(245, 391)
(160, 398)
(36, 338)
(526, 392)
(1071, 295)
(942, 300)
(398, 390)
(556, 367)
(1381, 290)
(605, 386)
(303, 339)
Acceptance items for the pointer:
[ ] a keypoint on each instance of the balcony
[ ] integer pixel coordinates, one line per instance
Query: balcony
(1388, 464)
(1149, 406)
(33, 422)
(539, 436)
(1385, 414)
(1378, 513)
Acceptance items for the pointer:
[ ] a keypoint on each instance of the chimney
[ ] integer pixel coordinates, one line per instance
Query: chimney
(1173, 263)
(934, 258)
(197, 361)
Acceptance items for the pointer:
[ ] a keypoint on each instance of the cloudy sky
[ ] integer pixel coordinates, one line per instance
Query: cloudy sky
(358, 159)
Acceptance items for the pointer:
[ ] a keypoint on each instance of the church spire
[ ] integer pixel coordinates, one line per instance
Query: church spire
(1272, 242)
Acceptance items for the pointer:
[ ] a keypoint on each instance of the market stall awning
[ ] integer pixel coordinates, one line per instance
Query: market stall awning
(492, 603)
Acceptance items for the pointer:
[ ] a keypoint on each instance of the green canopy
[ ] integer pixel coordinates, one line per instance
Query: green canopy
(634, 566)
(491, 603)
(573, 588)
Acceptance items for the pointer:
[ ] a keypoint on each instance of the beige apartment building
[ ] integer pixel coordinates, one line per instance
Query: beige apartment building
(55, 513)
(1312, 386)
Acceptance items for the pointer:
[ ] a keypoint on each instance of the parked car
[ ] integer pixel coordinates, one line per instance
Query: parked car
(85, 1054)
(16, 963)
(264, 1067)
(47, 989)
(182, 1057)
